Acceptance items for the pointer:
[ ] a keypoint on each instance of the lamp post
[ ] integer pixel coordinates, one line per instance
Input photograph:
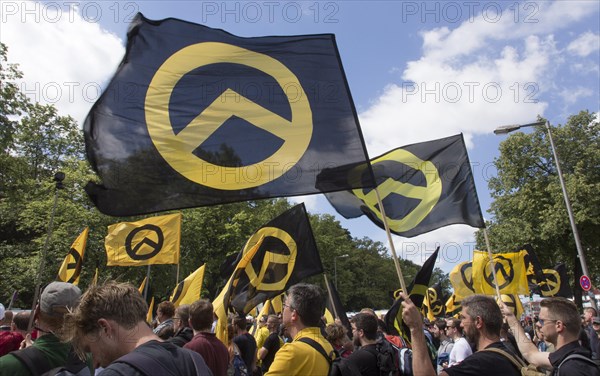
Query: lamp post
(510, 128)
(335, 268)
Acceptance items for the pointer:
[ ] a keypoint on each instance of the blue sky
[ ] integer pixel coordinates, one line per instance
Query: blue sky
(417, 70)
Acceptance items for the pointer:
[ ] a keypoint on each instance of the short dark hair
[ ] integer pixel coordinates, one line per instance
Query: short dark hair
(201, 314)
(240, 322)
(456, 324)
(183, 311)
(367, 323)
(564, 310)
(486, 308)
(441, 324)
(309, 302)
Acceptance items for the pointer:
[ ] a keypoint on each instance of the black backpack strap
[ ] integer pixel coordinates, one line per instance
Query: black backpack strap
(575, 356)
(315, 345)
(145, 363)
(34, 359)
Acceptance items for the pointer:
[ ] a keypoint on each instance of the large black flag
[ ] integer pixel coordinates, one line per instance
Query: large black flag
(196, 116)
(423, 187)
(287, 253)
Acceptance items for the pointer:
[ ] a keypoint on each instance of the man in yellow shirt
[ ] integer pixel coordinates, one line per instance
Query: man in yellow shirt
(302, 311)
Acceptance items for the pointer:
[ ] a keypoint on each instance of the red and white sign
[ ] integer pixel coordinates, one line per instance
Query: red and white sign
(585, 283)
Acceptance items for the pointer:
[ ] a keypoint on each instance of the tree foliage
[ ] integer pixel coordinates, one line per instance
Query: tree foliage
(36, 142)
(528, 204)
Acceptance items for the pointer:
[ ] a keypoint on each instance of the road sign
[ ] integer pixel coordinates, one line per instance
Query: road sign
(585, 283)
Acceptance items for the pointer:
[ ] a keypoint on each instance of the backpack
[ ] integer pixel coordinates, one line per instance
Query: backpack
(146, 361)
(387, 358)
(526, 370)
(37, 364)
(338, 366)
(238, 366)
(575, 356)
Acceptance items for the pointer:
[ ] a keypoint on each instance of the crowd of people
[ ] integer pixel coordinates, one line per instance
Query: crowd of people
(104, 331)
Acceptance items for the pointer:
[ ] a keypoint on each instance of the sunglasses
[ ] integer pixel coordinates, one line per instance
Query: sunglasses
(542, 321)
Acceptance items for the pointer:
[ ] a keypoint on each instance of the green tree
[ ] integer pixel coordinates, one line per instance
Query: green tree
(528, 204)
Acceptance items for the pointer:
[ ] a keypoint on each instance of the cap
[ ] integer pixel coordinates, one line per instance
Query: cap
(58, 297)
(596, 320)
(1, 311)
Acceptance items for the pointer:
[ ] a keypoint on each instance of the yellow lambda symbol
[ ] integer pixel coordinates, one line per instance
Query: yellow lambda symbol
(552, 285)
(257, 279)
(177, 149)
(429, 195)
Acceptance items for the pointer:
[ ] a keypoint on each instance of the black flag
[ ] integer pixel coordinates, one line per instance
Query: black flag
(423, 187)
(196, 116)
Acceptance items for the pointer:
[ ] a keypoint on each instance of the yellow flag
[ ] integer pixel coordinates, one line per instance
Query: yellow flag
(150, 309)
(329, 317)
(95, 279)
(142, 285)
(188, 290)
(71, 267)
(510, 272)
(221, 302)
(150, 241)
(461, 278)
(277, 304)
(453, 306)
(513, 302)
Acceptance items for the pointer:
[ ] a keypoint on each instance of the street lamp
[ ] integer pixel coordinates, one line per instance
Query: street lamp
(335, 268)
(510, 128)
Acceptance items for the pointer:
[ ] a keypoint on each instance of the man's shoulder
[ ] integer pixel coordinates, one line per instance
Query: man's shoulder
(10, 365)
(120, 369)
(486, 362)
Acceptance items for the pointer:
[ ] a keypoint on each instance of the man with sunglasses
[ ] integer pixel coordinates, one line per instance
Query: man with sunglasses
(560, 325)
(309, 353)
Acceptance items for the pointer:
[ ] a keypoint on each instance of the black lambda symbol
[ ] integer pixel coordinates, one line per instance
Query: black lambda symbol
(76, 265)
(155, 246)
(501, 264)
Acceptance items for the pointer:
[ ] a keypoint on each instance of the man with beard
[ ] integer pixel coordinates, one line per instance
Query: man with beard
(560, 325)
(364, 334)
(481, 319)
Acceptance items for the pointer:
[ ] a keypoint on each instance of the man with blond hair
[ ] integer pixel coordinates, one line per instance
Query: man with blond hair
(110, 323)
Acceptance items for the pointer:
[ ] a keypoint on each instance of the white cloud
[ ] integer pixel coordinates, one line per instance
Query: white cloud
(572, 95)
(585, 44)
(66, 60)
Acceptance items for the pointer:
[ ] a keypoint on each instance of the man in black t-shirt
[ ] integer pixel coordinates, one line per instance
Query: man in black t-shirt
(560, 325)
(267, 352)
(364, 334)
(481, 320)
(245, 342)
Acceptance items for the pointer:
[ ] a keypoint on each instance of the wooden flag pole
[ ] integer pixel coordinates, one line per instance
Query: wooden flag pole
(147, 283)
(489, 249)
(393, 249)
(330, 297)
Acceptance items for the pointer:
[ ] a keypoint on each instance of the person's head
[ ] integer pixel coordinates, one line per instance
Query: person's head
(181, 317)
(107, 322)
(273, 323)
(364, 328)
(559, 317)
(304, 305)
(336, 334)
(201, 315)
(370, 311)
(588, 314)
(453, 328)
(439, 329)
(596, 324)
(56, 300)
(20, 321)
(480, 314)
(240, 324)
(8, 316)
(262, 321)
(165, 311)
